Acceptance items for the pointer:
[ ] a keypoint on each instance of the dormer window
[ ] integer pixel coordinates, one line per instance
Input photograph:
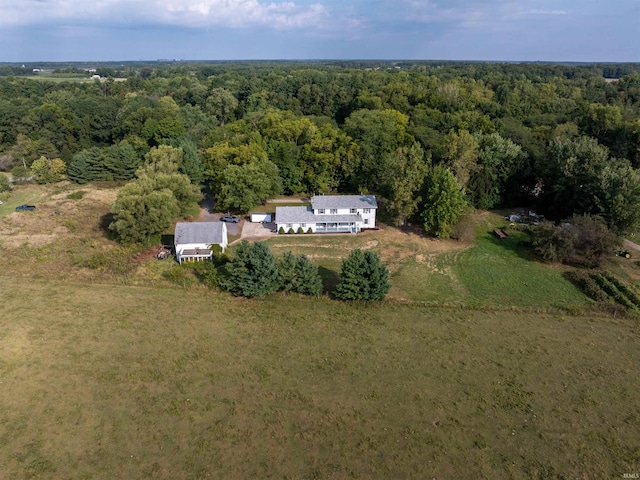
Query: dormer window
(333, 211)
(321, 211)
(353, 210)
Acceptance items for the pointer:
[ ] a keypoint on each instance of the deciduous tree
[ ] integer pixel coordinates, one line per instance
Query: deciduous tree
(242, 187)
(48, 171)
(444, 202)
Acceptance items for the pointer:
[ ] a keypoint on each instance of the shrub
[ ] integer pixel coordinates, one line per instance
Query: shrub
(290, 230)
(76, 195)
(178, 275)
(612, 291)
(5, 184)
(309, 230)
(281, 230)
(623, 289)
(206, 273)
(582, 238)
(587, 285)
(300, 230)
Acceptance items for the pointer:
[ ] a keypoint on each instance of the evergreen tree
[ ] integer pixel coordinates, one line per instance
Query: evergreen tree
(299, 275)
(253, 271)
(363, 276)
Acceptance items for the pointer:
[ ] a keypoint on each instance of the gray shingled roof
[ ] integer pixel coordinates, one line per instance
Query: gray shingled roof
(199, 232)
(305, 215)
(344, 201)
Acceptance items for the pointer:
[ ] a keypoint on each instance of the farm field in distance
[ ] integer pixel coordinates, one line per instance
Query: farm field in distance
(482, 364)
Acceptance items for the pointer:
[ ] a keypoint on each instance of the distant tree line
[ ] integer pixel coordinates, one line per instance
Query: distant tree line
(430, 139)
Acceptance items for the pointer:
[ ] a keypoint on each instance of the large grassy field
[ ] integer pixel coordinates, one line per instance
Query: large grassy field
(127, 382)
(483, 363)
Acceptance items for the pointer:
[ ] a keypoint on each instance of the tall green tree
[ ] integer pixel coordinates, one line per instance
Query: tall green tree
(48, 170)
(221, 103)
(243, 187)
(299, 275)
(363, 277)
(444, 202)
(499, 159)
(406, 169)
(581, 178)
(252, 272)
(141, 212)
(378, 133)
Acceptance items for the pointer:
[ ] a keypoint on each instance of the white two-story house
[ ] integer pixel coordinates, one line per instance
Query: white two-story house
(329, 214)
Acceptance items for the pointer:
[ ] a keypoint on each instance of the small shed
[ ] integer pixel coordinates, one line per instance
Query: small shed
(193, 240)
(260, 217)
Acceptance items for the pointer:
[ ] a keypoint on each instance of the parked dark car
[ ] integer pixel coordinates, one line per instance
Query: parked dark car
(230, 218)
(24, 206)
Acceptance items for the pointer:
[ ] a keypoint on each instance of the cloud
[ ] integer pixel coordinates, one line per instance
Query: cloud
(188, 13)
(474, 13)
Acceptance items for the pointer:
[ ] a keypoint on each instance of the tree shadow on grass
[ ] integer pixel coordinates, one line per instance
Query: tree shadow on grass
(106, 220)
(517, 243)
(330, 279)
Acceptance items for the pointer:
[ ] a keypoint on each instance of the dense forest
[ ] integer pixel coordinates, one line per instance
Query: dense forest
(429, 139)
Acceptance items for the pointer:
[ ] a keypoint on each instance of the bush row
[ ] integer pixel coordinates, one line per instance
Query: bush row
(613, 291)
(291, 230)
(624, 289)
(587, 285)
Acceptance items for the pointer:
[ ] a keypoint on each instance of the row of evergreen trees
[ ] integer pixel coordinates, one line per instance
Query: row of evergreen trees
(254, 271)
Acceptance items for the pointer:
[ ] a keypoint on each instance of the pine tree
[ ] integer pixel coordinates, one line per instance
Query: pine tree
(364, 277)
(253, 271)
(299, 275)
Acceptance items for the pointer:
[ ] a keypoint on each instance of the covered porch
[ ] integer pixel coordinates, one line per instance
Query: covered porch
(194, 255)
(336, 227)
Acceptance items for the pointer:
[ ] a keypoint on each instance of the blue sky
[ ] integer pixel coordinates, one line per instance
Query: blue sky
(528, 30)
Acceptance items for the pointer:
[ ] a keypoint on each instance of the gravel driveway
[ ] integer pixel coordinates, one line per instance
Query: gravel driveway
(207, 215)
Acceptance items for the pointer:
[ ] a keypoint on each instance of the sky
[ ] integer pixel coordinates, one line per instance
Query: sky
(491, 30)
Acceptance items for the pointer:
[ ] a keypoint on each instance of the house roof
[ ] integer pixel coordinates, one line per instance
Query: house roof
(200, 232)
(305, 215)
(344, 201)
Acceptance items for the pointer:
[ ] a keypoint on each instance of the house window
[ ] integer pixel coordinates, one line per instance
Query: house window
(366, 221)
(320, 211)
(289, 225)
(367, 210)
(303, 225)
(333, 211)
(353, 210)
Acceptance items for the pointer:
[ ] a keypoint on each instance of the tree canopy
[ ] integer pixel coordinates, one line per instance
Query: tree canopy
(558, 138)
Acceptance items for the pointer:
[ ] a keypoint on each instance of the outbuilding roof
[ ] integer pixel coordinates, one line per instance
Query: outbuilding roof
(200, 232)
(344, 201)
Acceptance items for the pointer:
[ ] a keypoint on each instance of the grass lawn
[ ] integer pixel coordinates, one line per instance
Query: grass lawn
(492, 272)
(108, 381)
(488, 273)
(110, 370)
(20, 195)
